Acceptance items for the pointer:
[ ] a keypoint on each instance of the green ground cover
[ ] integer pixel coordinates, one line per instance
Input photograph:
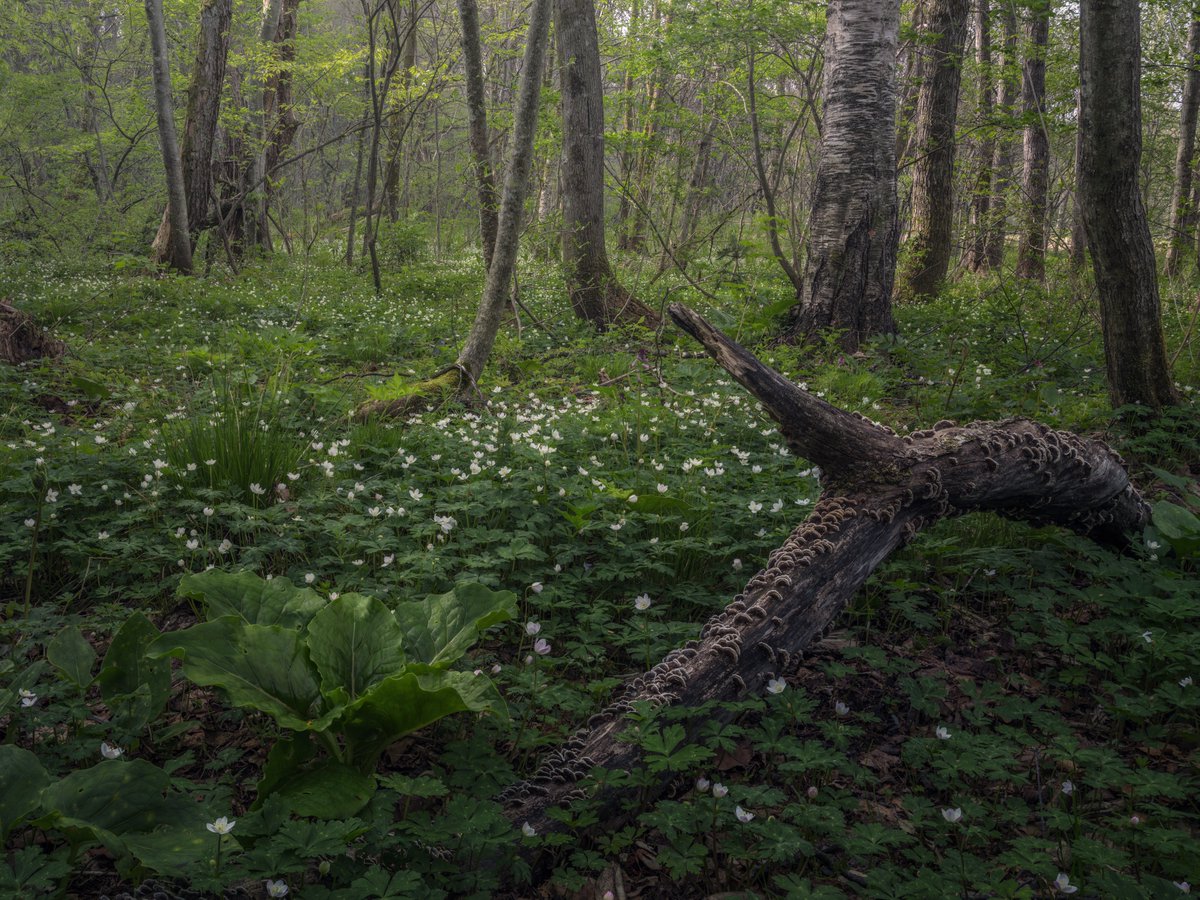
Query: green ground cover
(1001, 705)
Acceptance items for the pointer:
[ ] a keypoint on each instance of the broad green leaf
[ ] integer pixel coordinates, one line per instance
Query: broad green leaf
(330, 790)
(355, 642)
(72, 655)
(22, 778)
(404, 703)
(264, 667)
(126, 666)
(115, 796)
(285, 760)
(254, 600)
(439, 629)
(172, 849)
(1179, 526)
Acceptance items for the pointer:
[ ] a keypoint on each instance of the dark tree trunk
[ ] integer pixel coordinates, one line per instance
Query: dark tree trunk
(1002, 168)
(1078, 232)
(179, 248)
(1113, 214)
(927, 254)
(976, 259)
(879, 491)
(850, 261)
(1035, 155)
(1183, 217)
(282, 123)
(481, 154)
(596, 295)
(200, 124)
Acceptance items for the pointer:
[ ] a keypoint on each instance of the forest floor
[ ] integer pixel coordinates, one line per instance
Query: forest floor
(1001, 707)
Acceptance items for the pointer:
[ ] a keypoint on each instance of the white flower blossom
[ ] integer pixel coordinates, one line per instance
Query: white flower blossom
(952, 815)
(1062, 884)
(221, 826)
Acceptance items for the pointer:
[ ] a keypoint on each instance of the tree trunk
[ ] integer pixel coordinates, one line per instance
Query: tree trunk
(696, 188)
(408, 60)
(478, 347)
(282, 123)
(481, 154)
(985, 148)
(179, 250)
(1078, 232)
(997, 236)
(1113, 214)
(852, 230)
(200, 124)
(1183, 218)
(1035, 155)
(765, 187)
(927, 254)
(596, 294)
(879, 491)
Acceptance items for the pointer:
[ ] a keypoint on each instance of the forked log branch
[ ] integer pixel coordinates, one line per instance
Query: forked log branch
(878, 491)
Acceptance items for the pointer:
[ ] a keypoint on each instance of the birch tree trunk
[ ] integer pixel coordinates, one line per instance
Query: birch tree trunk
(1035, 156)
(200, 124)
(927, 253)
(478, 347)
(179, 249)
(852, 231)
(1113, 214)
(1002, 167)
(985, 148)
(481, 154)
(596, 294)
(1183, 218)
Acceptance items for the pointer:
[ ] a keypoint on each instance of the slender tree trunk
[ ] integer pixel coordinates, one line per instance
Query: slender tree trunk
(1002, 167)
(852, 233)
(1113, 213)
(765, 187)
(596, 294)
(100, 169)
(478, 347)
(927, 254)
(256, 226)
(481, 154)
(278, 99)
(1035, 166)
(1183, 217)
(985, 148)
(200, 124)
(179, 252)
(694, 199)
(397, 129)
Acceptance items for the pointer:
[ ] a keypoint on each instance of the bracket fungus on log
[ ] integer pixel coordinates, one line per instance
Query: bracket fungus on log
(878, 491)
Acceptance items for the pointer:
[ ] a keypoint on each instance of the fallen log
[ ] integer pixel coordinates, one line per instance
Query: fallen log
(878, 491)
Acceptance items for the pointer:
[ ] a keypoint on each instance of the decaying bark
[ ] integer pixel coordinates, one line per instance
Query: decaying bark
(22, 339)
(879, 490)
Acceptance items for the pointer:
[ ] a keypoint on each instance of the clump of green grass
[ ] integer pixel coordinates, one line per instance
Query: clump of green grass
(241, 447)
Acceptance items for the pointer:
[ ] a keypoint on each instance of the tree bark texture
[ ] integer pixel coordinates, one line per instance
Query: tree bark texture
(481, 154)
(179, 248)
(399, 123)
(1035, 153)
(976, 258)
(282, 122)
(1002, 167)
(200, 123)
(879, 491)
(927, 254)
(478, 347)
(850, 261)
(1183, 217)
(1113, 213)
(596, 294)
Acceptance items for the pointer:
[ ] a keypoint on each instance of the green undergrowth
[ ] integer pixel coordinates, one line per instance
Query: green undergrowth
(623, 491)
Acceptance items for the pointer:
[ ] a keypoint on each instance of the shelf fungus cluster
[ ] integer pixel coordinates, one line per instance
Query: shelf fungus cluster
(879, 491)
